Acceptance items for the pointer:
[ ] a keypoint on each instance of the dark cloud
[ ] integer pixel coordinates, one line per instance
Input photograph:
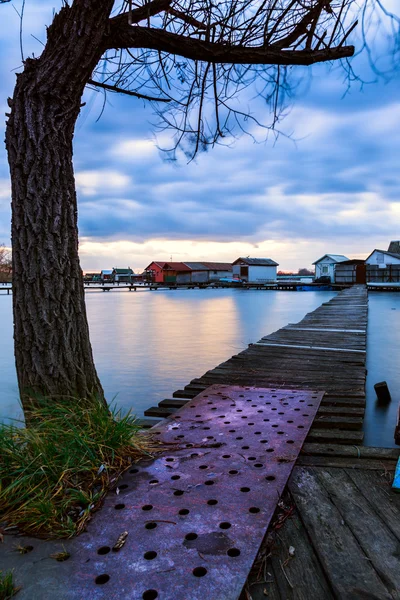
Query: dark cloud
(337, 177)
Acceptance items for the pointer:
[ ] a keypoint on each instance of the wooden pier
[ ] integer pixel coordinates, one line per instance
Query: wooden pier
(336, 532)
(344, 529)
(325, 351)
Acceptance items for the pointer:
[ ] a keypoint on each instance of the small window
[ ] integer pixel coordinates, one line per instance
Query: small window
(215, 272)
(325, 269)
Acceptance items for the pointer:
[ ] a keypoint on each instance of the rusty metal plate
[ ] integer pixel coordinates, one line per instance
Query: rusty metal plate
(196, 515)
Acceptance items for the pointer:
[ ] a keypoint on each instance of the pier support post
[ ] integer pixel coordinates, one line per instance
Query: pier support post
(382, 391)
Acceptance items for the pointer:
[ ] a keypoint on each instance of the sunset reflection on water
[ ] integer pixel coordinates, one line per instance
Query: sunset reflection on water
(147, 344)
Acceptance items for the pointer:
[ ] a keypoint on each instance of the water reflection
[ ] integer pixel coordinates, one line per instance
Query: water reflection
(148, 344)
(383, 346)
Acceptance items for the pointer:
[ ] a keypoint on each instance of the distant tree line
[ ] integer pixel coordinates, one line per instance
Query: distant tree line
(5, 264)
(303, 272)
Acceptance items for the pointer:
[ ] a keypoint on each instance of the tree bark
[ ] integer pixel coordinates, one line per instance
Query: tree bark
(52, 347)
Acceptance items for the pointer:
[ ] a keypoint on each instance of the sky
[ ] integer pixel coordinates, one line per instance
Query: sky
(330, 183)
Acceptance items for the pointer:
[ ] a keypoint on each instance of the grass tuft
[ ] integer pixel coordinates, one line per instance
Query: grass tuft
(7, 587)
(55, 473)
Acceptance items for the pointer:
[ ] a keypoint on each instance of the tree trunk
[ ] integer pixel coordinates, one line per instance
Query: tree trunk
(52, 347)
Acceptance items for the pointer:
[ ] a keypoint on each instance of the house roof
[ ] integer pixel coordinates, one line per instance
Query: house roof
(353, 261)
(334, 257)
(156, 262)
(209, 266)
(106, 272)
(123, 271)
(176, 266)
(394, 247)
(259, 262)
(394, 254)
(218, 266)
(169, 266)
(196, 266)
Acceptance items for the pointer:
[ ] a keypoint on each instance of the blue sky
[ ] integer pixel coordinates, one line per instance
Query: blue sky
(333, 186)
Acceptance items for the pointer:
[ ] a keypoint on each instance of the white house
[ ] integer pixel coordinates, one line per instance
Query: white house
(122, 275)
(382, 258)
(106, 275)
(325, 266)
(255, 270)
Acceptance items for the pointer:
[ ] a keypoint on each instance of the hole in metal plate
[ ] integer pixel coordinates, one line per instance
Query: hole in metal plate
(101, 579)
(150, 595)
(199, 571)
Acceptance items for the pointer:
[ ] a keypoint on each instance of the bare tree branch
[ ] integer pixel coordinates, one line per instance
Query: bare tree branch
(114, 88)
(124, 36)
(143, 12)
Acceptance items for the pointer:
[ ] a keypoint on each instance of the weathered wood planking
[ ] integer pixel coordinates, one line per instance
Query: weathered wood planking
(341, 326)
(347, 566)
(345, 531)
(299, 577)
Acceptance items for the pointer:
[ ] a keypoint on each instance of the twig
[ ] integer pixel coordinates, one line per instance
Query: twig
(114, 88)
(286, 577)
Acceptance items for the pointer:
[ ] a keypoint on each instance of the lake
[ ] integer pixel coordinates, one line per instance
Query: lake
(148, 344)
(383, 360)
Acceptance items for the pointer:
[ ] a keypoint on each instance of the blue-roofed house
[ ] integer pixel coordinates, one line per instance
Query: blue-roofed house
(326, 265)
(106, 275)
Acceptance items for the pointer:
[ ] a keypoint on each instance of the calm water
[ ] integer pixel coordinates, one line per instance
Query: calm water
(148, 344)
(383, 362)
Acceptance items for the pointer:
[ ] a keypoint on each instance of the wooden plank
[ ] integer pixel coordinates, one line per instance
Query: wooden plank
(370, 530)
(348, 569)
(185, 394)
(349, 411)
(287, 362)
(329, 400)
(346, 463)
(294, 328)
(147, 423)
(351, 451)
(295, 379)
(159, 411)
(341, 422)
(335, 435)
(376, 488)
(172, 403)
(322, 348)
(299, 577)
(337, 395)
(198, 387)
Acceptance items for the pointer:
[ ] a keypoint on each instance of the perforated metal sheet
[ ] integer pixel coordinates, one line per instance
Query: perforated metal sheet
(196, 516)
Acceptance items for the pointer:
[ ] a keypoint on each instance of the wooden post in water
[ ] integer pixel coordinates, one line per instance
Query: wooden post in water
(382, 391)
(397, 428)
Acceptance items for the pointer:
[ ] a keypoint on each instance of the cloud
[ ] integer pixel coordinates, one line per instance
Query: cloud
(90, 183)
(330, 183)
(5, 189)
(131, 150)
